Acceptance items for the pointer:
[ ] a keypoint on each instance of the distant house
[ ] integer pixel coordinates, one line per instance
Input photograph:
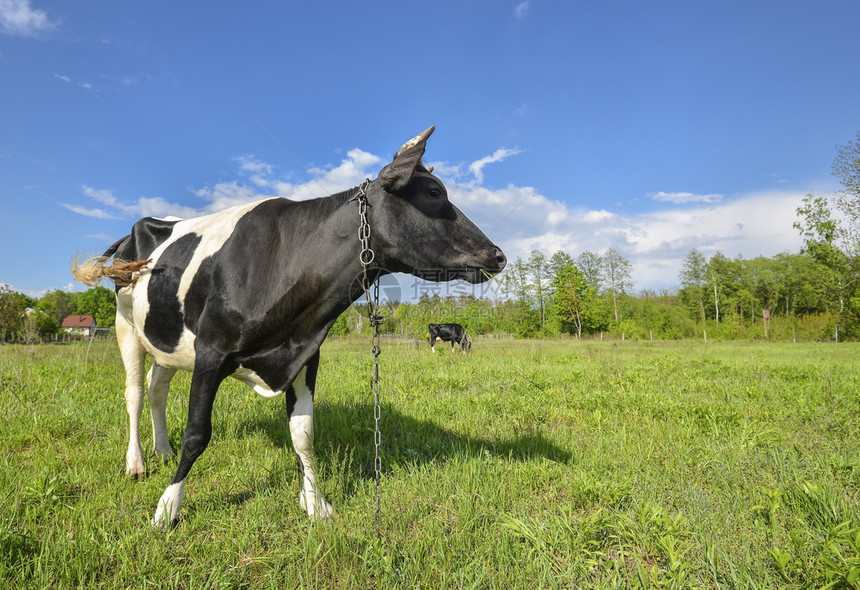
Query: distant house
(82, 325)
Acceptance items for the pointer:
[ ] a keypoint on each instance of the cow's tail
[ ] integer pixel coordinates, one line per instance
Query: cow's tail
(93, 270)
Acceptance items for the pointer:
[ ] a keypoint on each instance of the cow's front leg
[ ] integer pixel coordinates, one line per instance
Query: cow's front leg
(300, 396)
(158, 379)
(198, 432)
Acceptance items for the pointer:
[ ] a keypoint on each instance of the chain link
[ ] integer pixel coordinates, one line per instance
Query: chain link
(366, 256)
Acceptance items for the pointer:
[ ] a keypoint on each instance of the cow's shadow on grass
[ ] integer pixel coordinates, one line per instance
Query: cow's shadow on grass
(344, 443)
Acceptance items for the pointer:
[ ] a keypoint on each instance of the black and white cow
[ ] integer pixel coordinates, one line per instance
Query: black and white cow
(252, 291)
(453, 333)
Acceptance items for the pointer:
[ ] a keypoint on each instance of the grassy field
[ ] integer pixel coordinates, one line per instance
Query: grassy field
(527, 464)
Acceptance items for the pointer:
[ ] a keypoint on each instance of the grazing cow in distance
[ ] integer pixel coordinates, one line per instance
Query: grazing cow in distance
(453, 333)
(252, 291)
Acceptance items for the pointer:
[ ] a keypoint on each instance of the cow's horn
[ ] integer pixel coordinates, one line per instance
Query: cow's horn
(416, 140)
(430, 168)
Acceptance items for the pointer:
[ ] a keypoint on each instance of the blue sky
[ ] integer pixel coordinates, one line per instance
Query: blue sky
(648, 127)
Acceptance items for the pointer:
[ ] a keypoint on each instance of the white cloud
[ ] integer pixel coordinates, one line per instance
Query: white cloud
(68, 80)
(257, 170)
(520, 218)
(249, 163)
(597, 216)
(158, 207)
(685, 197)
(476, 168)
(352, 170)
(221, 196)
(118, 209)
(80, 210)
(522, 10)
(102, 196)
(19, 19)
(655, 242)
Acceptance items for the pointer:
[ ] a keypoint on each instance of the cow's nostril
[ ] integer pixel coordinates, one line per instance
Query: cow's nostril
(501, 260)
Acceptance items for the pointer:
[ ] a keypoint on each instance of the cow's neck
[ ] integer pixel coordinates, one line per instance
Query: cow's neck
(334, 256)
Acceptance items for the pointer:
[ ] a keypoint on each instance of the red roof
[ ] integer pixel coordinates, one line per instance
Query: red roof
(79, 321)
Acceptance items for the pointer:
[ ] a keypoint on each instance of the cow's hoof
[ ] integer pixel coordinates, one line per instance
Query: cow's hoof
(167, 512)
(164, 519)
(322, 512)
(135, 471)
(163, 524)
(318, 509)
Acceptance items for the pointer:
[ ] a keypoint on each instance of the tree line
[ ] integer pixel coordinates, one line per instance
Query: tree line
(811, 294)
(29, 319)
(593, 296)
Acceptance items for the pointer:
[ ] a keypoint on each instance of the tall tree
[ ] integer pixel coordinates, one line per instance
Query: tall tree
(617, 275)
(12, 306)
(572, 296)
(517, 282)
(58, 304)
(822, 237)
(591, 265)
(802, 292)
(540, 281)
(718, 274)
(100, 303)
(846, 167)
(693, 277)
(557, 262)
(765, 281)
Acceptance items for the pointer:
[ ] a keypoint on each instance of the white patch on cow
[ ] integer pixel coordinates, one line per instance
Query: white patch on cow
(124, 303)
(169, 505)
(249, 377)
(182, 356)
(302, 432)
(214, 231)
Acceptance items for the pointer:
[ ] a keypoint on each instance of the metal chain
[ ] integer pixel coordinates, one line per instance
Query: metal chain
(376, 320)
(366, 257)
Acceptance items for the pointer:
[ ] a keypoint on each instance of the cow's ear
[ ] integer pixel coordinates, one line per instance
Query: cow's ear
(396, 175)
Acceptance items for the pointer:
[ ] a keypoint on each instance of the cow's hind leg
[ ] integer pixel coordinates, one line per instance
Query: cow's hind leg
(158, 379)
(198, 432)
(300, 407)
(133, 356)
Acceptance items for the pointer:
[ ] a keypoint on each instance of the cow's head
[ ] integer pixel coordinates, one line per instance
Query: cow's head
(415, 228)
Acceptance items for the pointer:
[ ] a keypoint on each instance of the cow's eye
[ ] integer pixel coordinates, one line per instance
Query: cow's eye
(435, 192)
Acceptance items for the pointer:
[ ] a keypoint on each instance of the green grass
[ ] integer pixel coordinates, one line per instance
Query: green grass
(527, 464)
